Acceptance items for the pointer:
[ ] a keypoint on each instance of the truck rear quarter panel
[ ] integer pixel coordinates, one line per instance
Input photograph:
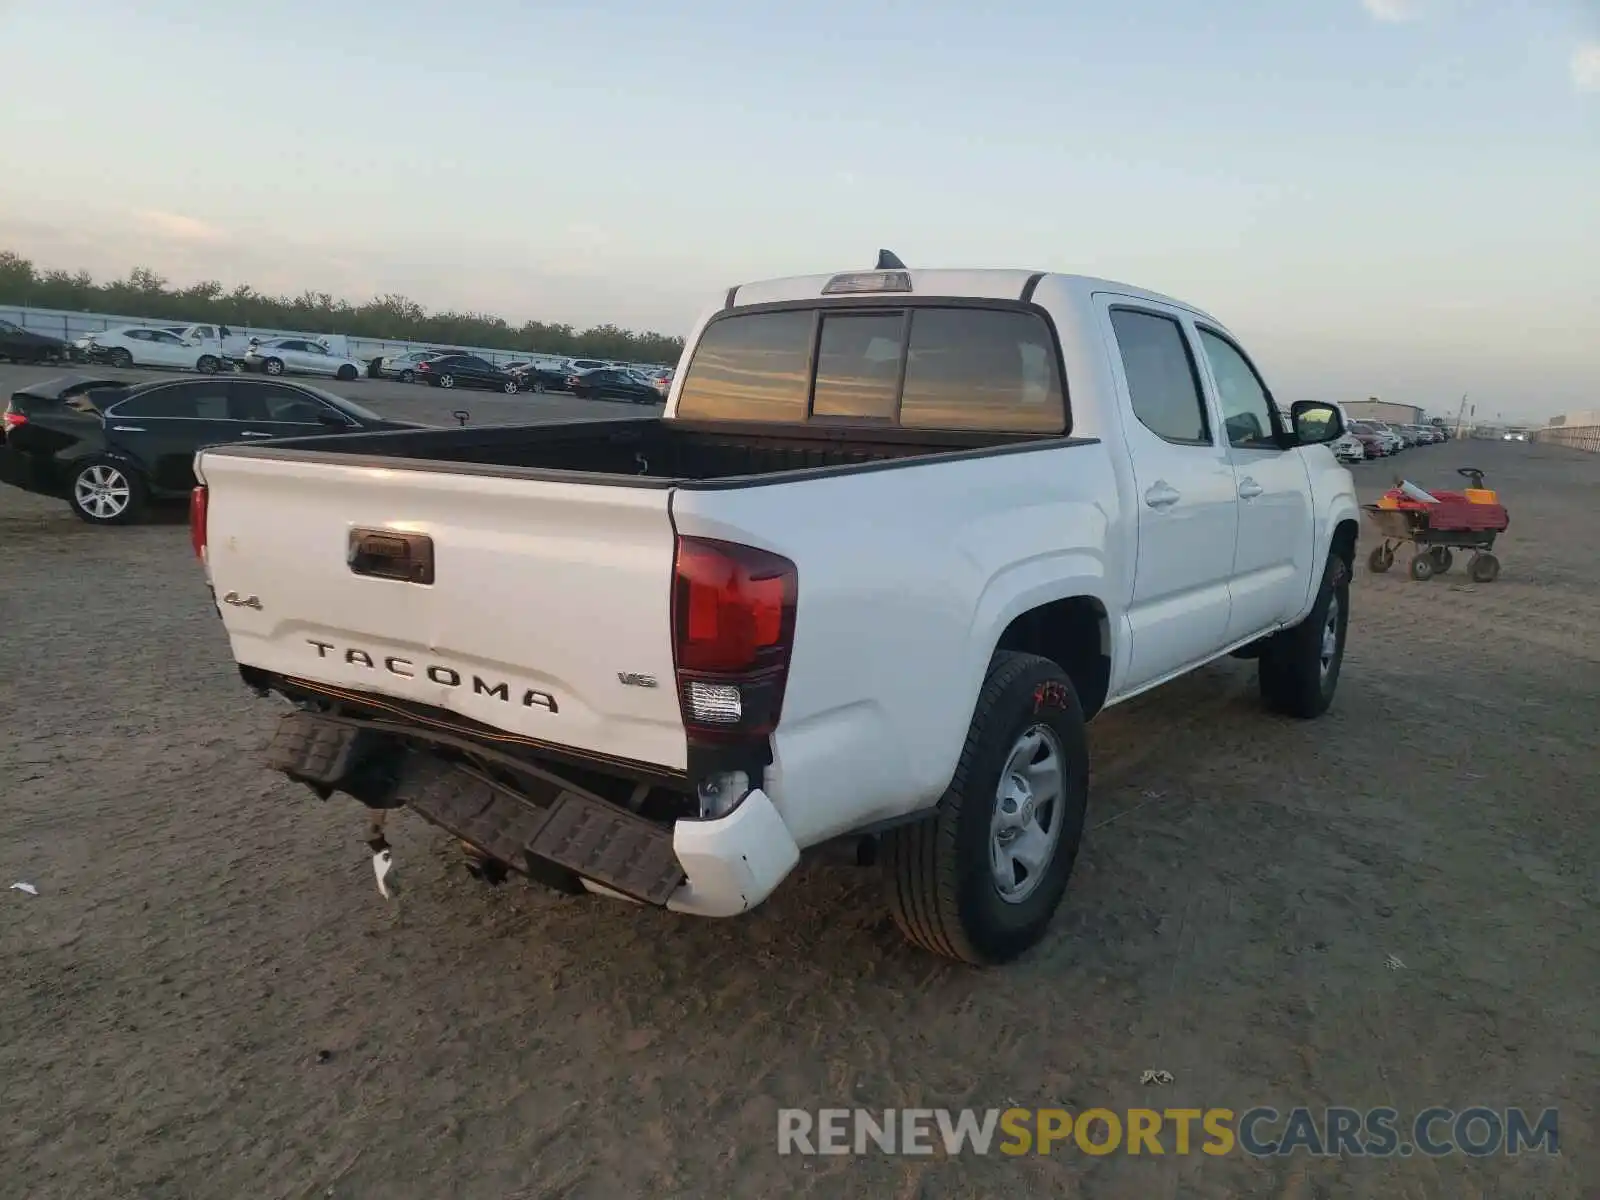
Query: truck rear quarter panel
(908, 576)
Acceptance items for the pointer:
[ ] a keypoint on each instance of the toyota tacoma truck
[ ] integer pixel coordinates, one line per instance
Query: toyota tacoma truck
(896, 537)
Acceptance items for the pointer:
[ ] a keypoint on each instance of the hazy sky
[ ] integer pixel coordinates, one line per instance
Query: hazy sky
(1391, 197)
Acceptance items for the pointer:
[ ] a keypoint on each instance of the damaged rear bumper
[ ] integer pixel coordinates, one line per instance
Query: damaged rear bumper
(714, 868)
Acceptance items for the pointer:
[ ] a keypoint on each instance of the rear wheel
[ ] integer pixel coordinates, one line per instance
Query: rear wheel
(1421, 567)
(106, 492)
(447, 381)
(980, 879)
(407, 376)
(1484, 568)
(1299, 668)
(273, 366)
(208, 364)
(1380, 560)
(509, 387)
(1443, 560)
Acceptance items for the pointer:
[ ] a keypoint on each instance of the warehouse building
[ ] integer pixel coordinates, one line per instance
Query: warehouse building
(1373, 409)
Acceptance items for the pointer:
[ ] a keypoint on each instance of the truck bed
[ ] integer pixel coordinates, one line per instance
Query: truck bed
(640, 452)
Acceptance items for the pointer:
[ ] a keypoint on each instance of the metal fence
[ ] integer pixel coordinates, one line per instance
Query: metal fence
(70, 326)
(1579, 437)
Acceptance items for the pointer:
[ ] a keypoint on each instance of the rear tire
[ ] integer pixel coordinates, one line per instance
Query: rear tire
(273, 366)
(1299, 668)
(509, 387)
(1380, 560)
(1421, 567)
(1443, 560)
(447, 381)
(105, 491)
(1484, 568)
(408, 376)
(946, 873)
(208, 364)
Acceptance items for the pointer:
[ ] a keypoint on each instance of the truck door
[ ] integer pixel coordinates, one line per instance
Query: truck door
(1188, 510)
(1272, 566)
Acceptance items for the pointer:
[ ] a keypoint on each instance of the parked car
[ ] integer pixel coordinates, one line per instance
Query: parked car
(24, 345)
(109, 447)
(537, 377)
(659, 657)
(298, 356)
(1391, 437)
(1374, 444)
(578, 365)
(467, 370)
(404, 366)
(194, 348)
(1348, 448)
(609, 383)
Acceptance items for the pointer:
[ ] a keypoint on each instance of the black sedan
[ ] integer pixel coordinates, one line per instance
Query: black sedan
(109, 448)
(531, 377)
(610, 384)
(24, 345)
(467, 370)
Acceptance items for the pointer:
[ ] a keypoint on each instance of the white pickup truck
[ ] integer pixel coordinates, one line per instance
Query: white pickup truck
(898, 535)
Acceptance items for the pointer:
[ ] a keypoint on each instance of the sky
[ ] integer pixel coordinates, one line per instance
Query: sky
(1395, 198)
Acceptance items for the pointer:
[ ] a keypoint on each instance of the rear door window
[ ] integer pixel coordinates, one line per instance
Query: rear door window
(1163, 381)
(185, 401)
(982, 368)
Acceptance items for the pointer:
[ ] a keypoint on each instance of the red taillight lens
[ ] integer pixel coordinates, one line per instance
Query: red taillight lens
(198, 504)
(424, 367)
(733, 614)
(12, 419)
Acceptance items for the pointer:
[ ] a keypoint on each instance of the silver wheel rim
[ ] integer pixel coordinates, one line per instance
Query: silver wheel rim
(447, 381)
(103, 492)
(274, 368)
(1028, 810)
(1330, 637)
(510, 388)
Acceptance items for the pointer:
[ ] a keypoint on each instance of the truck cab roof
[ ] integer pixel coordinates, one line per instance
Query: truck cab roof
(988, 284)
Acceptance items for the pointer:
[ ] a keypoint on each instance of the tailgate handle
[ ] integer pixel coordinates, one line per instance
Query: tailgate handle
(387, 554)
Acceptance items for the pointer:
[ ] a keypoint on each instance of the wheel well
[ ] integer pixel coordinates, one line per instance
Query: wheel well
(1074, 634)
(1344, 543)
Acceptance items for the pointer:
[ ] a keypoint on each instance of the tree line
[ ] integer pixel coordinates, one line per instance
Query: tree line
(146, 295)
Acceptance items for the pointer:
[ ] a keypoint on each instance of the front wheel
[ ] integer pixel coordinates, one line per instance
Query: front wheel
(979, 880)
(447, 381)
(120, 357)
(105, 492)
(273, 366)
(346, 373)
(1380, 560)
(407, 376)
(1483, 568)
(208, 364)
(1443, 560)
(1299, 667)
(509, 387)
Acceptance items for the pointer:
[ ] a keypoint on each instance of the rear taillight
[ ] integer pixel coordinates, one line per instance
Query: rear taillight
(733, 613)
(12, 419)
(424, 367)
(198, 505)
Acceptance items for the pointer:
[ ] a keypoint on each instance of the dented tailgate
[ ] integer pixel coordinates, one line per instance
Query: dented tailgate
(539, 607)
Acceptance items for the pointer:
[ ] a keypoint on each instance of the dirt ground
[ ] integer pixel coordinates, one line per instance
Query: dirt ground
(207, 998)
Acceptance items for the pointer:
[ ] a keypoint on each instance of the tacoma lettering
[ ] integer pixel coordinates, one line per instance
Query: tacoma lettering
(438, 673)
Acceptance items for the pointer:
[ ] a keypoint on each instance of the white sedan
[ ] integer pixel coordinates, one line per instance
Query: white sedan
(135, 346)
(298, 356)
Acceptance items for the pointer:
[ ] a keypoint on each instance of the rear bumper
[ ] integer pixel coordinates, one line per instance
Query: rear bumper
(734, 863)
(24, 471)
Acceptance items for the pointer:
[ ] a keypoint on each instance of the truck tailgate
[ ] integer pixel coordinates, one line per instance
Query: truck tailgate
(548, 614)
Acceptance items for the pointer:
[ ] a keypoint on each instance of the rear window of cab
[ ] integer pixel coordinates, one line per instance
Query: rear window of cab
(924, 366)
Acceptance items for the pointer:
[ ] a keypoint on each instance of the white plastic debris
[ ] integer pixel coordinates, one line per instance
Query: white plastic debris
(25, 887)
(1393, 963)
(1159, 1078)
(382, 864)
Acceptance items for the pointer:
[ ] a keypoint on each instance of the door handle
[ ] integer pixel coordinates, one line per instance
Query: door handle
(1249, 489)
(253, 433)
(129, 428)
(1161, 495)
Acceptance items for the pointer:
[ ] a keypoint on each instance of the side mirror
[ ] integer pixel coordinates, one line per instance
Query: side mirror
(1315, 423)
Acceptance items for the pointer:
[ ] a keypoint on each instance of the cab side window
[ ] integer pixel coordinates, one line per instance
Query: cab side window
(1163, 381)
(1247, 410)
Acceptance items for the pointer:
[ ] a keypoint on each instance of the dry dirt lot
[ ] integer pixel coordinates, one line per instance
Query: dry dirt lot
(208, 998)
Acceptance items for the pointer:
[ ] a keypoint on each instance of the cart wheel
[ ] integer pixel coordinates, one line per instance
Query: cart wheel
(1421, 567)
(1442, 559)
(1484, 568)
(1380, 560)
